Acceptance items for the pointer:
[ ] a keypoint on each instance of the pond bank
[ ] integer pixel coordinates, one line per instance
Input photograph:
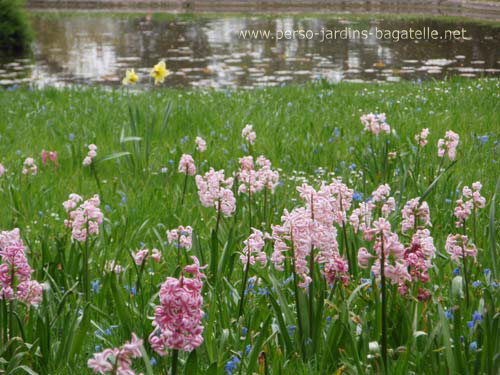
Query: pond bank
(487, 10)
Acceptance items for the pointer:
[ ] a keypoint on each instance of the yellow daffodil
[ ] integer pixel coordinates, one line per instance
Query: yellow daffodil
(130, 77)
(159, 72)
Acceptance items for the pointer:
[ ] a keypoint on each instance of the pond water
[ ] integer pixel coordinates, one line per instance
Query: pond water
(205, 50)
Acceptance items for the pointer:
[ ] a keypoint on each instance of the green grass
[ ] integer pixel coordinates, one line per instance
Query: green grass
(299, 129)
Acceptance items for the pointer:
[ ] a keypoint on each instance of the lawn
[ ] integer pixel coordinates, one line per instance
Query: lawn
(350, 322)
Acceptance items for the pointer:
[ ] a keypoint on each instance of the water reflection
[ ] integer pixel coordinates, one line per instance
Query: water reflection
(206, 51)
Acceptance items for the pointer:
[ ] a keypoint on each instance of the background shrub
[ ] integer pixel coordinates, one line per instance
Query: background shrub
(15, 32)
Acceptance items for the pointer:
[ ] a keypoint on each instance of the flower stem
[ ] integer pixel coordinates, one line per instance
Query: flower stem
(184, 188)
(175, 360)
(384, 304)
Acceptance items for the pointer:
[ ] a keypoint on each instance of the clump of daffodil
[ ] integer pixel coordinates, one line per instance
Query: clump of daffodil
(159, 72)
(130, 77)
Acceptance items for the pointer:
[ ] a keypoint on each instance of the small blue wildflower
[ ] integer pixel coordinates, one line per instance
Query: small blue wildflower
(494, 284)
(107, 332)
(477, 317)
(483, 139)
(342, 164)
(248, 348)
(133, 291)
(473, 346)
(107, 207)
(456, 272)
(244, 147)
(263, 292)
(337, 132)
(470, 324)
(98, 332)
(290, 104)
(291, 329)
(330, 140)
(212, 133)
(476, 284)
(71, 136)
(98, 348)
(171, 162)
(352, 166)
(40, 213)
(152, 361)
(357, 196)
(95, 286)
(486, 271)
(448, 200)
(449, 314)
(244, 331)
(141, 244)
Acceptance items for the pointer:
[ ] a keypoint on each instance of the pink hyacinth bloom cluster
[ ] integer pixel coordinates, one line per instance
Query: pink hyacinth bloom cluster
(29, 167)
(471, 199)
(49, 156)
(459, 246)
(2, 170)
(419, 254)
(421, 137)
(84, 220)
(252, 251)
(15, 272)
(448, 145)
(361, 217)
(412, 211)
(182, 236)
(308, 228)
(375, 123)
(215, 191)
(143, 254)
(117, 361)
(249, 134)
(177, 320)
(395, 267)
(255, 180)
(90, 155)
(201, 145)
(186, 165)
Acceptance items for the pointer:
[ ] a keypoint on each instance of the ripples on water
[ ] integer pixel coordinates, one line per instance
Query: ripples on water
(206, 52)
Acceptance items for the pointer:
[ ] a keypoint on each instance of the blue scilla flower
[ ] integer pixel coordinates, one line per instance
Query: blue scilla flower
(263, 292)
(486, 271)
(244, 331)
(448, 200)
(357, 196)
(449, 314)
(330, 140)
(71, 136)
(476, 284)
(95, 286)
(483, 139)
(470, 324)
(248, 348)
(473, 346)
(98, 348)
(352, 166)
(171, 162)
(291, 329)
(230, 366)
(477, 317)
(456, 272)
(337, 132)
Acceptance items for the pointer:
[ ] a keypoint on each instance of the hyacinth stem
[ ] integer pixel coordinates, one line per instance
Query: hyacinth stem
(247, 268)
(184, 188)
(94, 172)
(311, 270)
(297, 304)
(86, 265)
(384, 304)
(175, 360)
(466, 276)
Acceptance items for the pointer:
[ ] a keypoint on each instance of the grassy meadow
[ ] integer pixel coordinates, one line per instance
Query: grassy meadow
(310, 134)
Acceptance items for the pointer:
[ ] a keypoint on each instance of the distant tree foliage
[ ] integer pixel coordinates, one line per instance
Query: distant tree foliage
(15, 32)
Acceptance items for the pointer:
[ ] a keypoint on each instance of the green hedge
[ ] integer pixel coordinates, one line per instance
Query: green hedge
(15, 33)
